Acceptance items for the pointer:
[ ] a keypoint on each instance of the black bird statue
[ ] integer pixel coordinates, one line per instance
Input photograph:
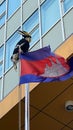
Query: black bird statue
(21, 47)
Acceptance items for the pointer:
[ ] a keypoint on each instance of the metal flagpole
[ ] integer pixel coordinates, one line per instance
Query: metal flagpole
(19, 89)
(40, 30)
(62, 21)
(27, 94)
(19, 106)
(27, 110)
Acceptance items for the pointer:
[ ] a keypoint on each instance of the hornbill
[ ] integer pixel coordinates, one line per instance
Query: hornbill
(21, 47)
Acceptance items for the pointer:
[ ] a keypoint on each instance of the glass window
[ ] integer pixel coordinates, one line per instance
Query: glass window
(13, 5)
(2, 20)
(2, 7)
(31, 25)
(50, 14)
(2, 13)
(67, 4)
(10, 44)
(1, 59)
(31, 22)
(35, 36)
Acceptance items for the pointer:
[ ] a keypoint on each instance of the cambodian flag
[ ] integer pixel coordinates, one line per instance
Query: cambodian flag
(43, 66)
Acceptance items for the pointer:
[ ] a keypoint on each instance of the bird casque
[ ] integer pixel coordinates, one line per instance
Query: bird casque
(21, 47)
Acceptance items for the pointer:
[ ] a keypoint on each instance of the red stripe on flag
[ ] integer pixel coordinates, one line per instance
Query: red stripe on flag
(34, 67)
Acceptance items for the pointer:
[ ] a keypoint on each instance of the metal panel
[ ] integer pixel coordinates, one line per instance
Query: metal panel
(68, 23)
(11, 81)
(2, 35)
(31, 8)
(14, 23)
(53, 37)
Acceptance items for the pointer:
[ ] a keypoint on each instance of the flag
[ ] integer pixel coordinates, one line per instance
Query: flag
(43, 66)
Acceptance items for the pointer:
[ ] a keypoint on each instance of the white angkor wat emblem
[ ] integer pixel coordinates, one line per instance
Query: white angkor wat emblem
(55, 70)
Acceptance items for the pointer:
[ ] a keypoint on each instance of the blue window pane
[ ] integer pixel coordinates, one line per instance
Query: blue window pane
(31, 26)
(1, 53)
(13, 5)
(50, 14)
(2, 7)
(67, 4)
(2, 20)
(31, 22)
(35, 36)
(9, 49)
(0, 70)
(1, 59)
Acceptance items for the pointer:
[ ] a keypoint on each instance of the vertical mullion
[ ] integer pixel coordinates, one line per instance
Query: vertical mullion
(40, 27)
(5, 36)
(62, 21)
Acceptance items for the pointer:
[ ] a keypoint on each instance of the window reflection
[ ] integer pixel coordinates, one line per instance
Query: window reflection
(35, 36)
(67, 4)
(2, 13)
(50, 14)
(1, 60)
(2, 7)
(10, 44)
(31, 25)
(13, 5)
(2, 20)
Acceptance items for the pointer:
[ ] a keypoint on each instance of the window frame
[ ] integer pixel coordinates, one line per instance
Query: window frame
(13, 11)
(8, 63)
(69, 8)
(1, 60)
(33, 28)
(3, 13)
(56, 19)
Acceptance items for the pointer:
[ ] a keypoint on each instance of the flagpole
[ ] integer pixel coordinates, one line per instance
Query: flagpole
(19, 106)
(40, 26)
(27, 110)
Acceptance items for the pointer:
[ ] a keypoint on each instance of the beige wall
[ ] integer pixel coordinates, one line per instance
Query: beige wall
(66, 48)
(13, 98)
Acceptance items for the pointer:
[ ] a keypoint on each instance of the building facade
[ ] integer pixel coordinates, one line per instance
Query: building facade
(49, 22)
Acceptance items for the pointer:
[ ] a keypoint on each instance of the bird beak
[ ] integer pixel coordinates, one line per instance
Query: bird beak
(24, 33)
(20, 32)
